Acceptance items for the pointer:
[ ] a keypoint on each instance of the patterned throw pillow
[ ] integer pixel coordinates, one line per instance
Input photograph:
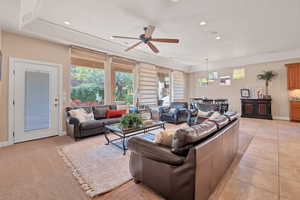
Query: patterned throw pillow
(202, 113)
(214, 116)
(123, 107)
(165, 137)
(81, 115)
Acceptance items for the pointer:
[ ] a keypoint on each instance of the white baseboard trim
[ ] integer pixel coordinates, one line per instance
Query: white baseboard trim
(281, 118)
(5, 143)
(62, 133)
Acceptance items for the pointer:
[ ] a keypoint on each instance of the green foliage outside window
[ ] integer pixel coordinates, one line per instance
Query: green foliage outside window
(124, 87)
(87, 84)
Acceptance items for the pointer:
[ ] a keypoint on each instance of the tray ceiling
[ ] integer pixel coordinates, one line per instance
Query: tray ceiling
(251, 31)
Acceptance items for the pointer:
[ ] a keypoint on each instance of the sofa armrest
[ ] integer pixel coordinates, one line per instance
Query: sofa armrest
(74, 121)
(164, 109)
(154, 151)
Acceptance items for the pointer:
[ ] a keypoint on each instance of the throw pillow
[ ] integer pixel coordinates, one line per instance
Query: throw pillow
(123, 107)
(165, 137)
(145, 116)
(215, 115)
(100, 112)
(202, 113)
(81, 115)
(115, 113)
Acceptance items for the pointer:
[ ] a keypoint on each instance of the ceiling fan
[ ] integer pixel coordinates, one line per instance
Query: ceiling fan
(147, 39)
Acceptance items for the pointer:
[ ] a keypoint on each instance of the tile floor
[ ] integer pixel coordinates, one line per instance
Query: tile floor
(269, 168)
(266, 168)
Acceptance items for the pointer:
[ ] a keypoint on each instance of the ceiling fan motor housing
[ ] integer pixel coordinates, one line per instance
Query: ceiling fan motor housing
(144, 39)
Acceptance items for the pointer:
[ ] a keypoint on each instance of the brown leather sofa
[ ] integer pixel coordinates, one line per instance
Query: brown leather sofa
(78, 130)
(193, 166)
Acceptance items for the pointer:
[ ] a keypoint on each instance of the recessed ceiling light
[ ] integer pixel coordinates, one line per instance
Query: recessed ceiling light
(175, 1)
(67, 23)
(203, 23)
(218, 37)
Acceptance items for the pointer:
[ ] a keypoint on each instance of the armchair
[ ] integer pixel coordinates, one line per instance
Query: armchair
(176, 113)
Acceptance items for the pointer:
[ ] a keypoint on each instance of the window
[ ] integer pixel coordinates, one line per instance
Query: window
(87, 86)
(124, 87)
(238, 73)
(225, 80)
(163, 89)
(212, 76)
(202, 81)
(147, 85)
(178, 86)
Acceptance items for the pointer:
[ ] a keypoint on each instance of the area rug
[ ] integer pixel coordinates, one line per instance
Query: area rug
(98, 168)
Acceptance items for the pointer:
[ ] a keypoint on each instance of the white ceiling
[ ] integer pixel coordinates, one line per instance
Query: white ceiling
(252, 31)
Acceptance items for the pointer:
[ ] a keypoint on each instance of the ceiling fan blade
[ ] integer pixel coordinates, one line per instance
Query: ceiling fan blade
(149, 31)
(133, 46)
(122, 37)
(165, 40)
(154, 49)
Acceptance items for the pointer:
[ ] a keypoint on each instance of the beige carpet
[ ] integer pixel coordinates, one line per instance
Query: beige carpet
(99, 168)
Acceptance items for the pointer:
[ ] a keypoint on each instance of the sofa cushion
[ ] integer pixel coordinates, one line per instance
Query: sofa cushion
(100, 111)
(220, 121)
(92, 124)
(113, 107)
(231, 115)
(110, 121)
(183, 139)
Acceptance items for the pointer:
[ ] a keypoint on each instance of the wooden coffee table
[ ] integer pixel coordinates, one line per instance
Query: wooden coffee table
(123, 134)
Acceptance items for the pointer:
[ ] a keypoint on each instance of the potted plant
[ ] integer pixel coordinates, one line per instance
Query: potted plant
(131, 120)
(267, 76)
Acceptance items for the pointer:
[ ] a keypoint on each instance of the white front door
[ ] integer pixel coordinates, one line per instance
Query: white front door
(36, 110)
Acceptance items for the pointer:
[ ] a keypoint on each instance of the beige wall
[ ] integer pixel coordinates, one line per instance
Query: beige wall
(278, 87)
(31, 49)
(0, 38)
(40, 50)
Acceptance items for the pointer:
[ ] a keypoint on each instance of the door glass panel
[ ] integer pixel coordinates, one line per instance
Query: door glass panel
(37, 103)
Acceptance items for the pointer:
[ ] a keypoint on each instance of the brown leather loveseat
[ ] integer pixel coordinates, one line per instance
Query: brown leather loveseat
(193, 166)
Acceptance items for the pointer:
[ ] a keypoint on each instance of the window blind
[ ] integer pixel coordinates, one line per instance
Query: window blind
(87, 58)
(178, 86)
(147, 84)
(122, 64)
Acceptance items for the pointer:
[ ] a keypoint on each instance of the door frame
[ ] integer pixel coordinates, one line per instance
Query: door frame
(11, 96)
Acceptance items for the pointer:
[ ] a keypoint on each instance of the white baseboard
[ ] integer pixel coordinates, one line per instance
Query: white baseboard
(281, 118)
(5, 143)
(62, 133)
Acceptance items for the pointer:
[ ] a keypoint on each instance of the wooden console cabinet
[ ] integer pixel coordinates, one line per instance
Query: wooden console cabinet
(257, 108)
(295, 110)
